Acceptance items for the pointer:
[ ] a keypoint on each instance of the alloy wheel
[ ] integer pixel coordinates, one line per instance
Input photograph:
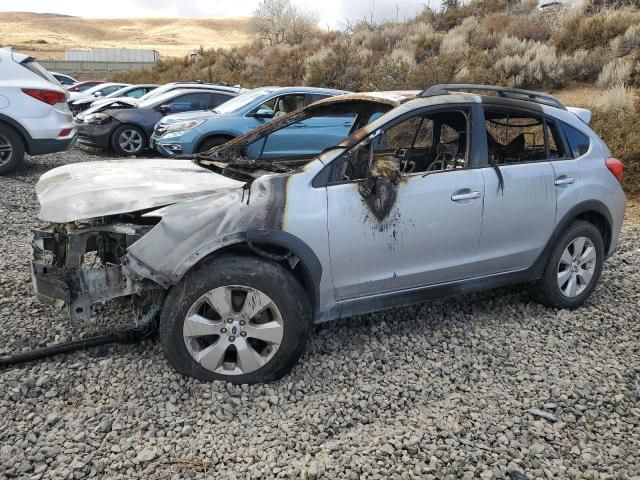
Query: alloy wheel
(576, 267)
(6, 150)
(233, 330)
(130, 141)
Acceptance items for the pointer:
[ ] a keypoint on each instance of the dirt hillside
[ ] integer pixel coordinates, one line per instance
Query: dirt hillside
(47, 36)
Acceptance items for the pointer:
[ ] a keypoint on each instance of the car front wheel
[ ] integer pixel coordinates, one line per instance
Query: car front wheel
(573, 268)
(237, 319)
(129, 140)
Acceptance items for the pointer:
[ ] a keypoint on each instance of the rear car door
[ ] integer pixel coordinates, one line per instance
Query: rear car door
(423, 228)
(520, 195)
(566, 146)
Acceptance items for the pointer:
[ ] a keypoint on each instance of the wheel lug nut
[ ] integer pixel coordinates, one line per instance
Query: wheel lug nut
(232, 338)
(243, 334)
(229, 320)
(223, 330)
(241, 322)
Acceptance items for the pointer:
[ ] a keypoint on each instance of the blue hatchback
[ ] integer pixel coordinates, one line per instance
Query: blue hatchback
(193, 132)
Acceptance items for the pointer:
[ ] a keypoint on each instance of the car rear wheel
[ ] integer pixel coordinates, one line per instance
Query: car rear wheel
(11, 149)
(573, 268)
(237, 319)
(209, 143)
(128, 140)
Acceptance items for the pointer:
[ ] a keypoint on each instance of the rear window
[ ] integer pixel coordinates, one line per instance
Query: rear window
(578, 141)
(35, 67)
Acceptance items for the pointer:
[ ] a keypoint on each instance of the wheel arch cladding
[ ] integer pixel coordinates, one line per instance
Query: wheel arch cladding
(19, 129)
(210, 136)
(279, 246)
(594, 212)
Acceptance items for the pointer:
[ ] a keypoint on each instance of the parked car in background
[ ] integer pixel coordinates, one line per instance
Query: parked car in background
(126, 127)
(167, 87)
(99, 91)
(189, 133)
(34, 115)
(65, 80)
(82, 86)
(444, 194)
(130, 91)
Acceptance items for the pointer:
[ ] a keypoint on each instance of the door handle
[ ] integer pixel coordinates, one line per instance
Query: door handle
(564, 180)
(457, 197)
(300, 125)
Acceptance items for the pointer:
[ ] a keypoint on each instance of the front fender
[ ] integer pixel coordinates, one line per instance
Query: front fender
(192, 229)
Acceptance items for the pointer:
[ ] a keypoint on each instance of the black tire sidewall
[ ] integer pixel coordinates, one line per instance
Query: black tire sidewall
(264, 275)
(211, 142)
(549, 289)
(116, 146)
(17, 144)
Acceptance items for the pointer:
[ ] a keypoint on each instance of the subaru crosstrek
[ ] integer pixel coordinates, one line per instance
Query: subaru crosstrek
(34, 116)
(189, 133)
(445, 193)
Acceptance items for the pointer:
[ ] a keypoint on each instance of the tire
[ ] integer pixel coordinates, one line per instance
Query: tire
(209, 143)
(137, 144)
(11, 149)
(208, 348)
(565, 265)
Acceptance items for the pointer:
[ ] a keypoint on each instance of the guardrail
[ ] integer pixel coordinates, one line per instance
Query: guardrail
(94, 69)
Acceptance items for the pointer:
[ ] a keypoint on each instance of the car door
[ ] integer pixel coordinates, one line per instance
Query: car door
(566, 146)
(290, 141)
(421, 229)
(326, 130)
(520, 195)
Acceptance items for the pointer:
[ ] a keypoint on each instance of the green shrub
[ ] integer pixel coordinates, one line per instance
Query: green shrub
(597, 30)
(615, 119)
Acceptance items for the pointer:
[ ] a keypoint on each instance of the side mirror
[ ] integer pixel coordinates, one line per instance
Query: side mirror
(97, 94)
(166, 108)
(265, 113)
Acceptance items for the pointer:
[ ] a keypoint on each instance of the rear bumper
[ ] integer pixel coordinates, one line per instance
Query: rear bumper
(42, 146)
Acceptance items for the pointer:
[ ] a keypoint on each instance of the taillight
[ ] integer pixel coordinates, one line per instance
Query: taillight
(47, 96)
(616, 167)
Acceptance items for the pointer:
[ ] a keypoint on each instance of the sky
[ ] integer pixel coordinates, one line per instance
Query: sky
(332, 13)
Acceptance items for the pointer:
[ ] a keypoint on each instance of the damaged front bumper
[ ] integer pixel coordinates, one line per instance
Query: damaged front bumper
(76, 268)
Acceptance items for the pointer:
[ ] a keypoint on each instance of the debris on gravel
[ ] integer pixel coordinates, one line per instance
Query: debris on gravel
(489, 385)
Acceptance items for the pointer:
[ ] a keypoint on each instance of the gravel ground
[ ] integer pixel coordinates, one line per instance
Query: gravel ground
(440, 390)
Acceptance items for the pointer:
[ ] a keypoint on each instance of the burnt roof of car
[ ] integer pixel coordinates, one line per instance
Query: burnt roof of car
(503, 92)
(393, 98)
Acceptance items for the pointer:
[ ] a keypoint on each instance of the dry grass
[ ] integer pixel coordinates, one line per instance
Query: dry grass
(48, 36)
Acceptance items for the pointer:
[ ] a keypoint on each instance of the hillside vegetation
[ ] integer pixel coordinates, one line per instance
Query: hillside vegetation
(47, 36)
(501, 42)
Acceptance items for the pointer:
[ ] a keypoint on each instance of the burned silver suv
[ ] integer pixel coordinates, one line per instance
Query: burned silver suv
(433, 193)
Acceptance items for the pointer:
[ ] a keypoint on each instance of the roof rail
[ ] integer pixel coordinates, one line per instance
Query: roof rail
(513, 93)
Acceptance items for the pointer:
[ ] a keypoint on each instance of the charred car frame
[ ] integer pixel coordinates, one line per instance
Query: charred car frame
(433, 193)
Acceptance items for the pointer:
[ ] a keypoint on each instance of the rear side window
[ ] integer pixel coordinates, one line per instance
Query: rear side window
(514, 137)
(578, 141)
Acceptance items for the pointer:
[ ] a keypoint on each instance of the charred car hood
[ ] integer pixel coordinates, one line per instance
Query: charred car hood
(94, 189)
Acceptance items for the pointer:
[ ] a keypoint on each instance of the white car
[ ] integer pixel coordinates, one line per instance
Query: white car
(99, 91)
(34, 115)
(130, 91)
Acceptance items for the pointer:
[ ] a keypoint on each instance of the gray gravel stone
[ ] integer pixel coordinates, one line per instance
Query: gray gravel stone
(438, 390)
